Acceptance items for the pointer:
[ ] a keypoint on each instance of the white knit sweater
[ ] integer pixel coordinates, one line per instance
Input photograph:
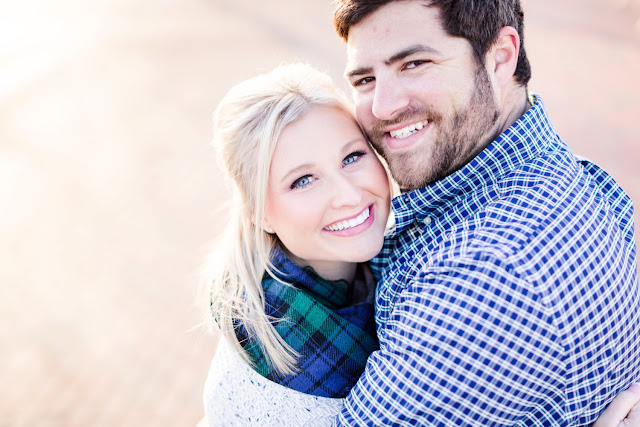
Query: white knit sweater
(236, 395)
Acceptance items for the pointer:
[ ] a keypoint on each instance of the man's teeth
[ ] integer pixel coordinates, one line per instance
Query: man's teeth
(350, 223)
(408, 130)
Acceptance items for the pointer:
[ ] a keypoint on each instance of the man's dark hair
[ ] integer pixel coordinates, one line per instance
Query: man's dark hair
(478, 21)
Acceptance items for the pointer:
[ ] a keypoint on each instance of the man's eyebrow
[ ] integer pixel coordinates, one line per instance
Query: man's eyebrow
(358, 72)
(393, 59)
(416, 48)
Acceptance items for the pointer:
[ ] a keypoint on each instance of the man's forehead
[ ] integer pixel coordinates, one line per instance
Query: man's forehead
(365, 47)
(393, 27)
(353, 57)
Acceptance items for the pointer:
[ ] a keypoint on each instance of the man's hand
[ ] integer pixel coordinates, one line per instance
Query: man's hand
(623, 411)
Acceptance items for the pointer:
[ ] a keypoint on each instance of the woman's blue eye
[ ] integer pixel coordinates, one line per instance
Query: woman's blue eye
(302, 182)
(352, 158)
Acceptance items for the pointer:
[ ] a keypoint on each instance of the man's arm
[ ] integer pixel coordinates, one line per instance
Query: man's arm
(468, 343)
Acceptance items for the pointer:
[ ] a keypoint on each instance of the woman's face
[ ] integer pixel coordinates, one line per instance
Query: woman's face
(328, 194)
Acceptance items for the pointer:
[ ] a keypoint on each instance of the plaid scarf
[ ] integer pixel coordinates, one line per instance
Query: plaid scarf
(333, 336)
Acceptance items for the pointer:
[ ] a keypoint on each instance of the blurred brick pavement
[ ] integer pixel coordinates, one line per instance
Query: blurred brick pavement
(109, 196)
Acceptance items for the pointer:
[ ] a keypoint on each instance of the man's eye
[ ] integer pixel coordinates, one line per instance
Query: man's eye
(302, 182)
(363, 81)
(414, 64)
(352, 158)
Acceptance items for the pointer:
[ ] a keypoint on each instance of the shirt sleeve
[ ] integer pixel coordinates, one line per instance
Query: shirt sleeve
(468, 342)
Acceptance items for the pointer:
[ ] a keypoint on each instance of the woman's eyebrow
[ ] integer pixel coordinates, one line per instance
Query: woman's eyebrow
(295, 172)
(346, 148)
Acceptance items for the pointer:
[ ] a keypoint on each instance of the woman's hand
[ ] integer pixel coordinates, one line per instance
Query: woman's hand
(623, 411)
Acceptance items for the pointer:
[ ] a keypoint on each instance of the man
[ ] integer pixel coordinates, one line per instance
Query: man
(508, 291)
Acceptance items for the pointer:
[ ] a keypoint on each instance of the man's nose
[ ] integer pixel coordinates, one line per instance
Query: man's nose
(389, 99)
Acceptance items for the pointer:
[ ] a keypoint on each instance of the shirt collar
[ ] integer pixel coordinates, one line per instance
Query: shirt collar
(525, 139)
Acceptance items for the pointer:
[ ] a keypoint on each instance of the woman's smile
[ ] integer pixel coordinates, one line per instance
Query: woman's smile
(353, 226)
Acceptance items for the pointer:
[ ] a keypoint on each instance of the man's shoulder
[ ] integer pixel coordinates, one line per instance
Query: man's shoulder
(517, 215)
(549, 188)
(523, 216)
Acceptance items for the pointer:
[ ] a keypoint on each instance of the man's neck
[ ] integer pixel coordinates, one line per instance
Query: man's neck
(514, 106)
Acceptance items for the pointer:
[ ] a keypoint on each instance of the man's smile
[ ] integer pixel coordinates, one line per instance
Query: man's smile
(408, 130)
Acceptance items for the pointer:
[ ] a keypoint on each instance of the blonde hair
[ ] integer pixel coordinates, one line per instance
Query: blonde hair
(247, 124)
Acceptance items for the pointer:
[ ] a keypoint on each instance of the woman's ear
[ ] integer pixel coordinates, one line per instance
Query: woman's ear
(504, 55)
(266, 226)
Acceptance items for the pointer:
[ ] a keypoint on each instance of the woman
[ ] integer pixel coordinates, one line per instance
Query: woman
(311, 202)
(290, 290)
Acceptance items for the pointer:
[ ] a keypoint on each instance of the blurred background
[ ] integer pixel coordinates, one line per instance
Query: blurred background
(110, 198)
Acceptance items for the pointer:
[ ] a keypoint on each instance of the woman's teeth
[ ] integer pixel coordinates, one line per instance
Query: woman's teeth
(408, 130)
(350, 223)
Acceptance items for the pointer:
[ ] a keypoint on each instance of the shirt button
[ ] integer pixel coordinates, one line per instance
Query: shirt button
(427, 220)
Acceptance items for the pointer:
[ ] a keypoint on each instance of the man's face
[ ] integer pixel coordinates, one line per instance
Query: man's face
(420, 95)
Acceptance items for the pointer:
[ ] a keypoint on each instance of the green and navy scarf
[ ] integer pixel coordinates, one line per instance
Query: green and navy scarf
(333, 335)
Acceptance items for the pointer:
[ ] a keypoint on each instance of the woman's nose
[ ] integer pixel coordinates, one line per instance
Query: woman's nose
(346, 192)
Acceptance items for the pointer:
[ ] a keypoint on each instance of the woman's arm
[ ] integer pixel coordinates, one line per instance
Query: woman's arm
(623, 411)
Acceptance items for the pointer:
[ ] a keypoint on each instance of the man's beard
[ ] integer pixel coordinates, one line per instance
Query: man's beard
(458, 137)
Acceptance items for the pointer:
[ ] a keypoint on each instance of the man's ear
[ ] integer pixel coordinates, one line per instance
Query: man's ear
(503, 55)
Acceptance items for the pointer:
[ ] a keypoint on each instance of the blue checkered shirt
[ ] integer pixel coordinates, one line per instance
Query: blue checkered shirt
(508, 293)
